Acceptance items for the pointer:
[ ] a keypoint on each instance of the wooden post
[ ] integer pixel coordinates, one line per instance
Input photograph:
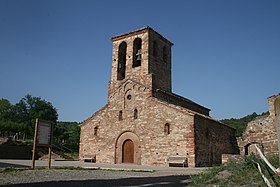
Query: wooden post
(50, 146)
(34, 144)
(50, 156)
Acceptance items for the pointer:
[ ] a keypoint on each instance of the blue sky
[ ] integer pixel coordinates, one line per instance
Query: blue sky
(226, 53)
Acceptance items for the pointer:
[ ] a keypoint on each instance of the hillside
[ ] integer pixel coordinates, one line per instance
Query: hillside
(240, 124)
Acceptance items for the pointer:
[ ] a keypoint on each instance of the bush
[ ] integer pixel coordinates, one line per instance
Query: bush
(243, 173)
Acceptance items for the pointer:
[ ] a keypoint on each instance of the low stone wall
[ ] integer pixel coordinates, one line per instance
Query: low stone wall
(230, 157)
(15, 152)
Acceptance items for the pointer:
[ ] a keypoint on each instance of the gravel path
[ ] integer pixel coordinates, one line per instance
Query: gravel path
(63, 177)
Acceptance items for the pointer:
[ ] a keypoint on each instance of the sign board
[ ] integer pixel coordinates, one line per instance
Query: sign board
(42, 137)
(44, 133)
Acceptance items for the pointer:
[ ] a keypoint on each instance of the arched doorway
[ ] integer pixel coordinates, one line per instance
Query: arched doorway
(128, 151)
(127, 148)
(250, 149)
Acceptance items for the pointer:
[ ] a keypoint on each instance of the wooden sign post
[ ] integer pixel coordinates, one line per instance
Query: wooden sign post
(43, 138)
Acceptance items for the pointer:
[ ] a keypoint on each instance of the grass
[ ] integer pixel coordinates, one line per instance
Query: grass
(243, 173)
(11, 170)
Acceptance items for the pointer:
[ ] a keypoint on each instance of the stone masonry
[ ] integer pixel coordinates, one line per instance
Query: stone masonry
(261, 131)
(143, 121)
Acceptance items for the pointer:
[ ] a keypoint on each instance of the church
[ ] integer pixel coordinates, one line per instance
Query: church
(144, 122)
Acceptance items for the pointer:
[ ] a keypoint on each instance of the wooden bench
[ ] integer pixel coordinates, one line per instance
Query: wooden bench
(178, 161)
(89, 158)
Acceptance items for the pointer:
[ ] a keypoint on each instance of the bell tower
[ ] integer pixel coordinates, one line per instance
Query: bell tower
(143, 56)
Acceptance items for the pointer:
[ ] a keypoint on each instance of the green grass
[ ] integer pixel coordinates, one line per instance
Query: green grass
(11, 170)
(243, 173)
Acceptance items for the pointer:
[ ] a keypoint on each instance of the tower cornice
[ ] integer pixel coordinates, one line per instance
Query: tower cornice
(139, 31)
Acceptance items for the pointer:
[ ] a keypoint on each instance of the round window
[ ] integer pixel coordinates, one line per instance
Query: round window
(128, 97)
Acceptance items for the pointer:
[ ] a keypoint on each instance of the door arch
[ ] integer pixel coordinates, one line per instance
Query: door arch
(250, 149)
(127, 148)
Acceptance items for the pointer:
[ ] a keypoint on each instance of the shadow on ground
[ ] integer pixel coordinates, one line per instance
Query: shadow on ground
(7, 165)
(147, 181)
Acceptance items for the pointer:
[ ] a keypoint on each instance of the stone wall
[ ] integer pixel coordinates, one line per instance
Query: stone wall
(154, 145)
(15, 152)
(212, 139)
(160, 66)
(261, 131)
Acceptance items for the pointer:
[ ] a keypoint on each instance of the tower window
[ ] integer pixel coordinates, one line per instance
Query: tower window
(164, 54)
(137, 52)
(120, 115)
(121, 61)
(155, 48)
(166, 129)
(135, 114)
(95, 131)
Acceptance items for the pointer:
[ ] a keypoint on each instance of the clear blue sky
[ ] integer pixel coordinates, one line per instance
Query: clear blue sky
(226, 53)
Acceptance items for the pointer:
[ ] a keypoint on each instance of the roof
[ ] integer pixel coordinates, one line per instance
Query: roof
(180, 101)
(189, 111)
(139, 31)
(274, 95)
(92, 116)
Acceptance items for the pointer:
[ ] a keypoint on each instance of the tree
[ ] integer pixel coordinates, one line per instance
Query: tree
(20, 118)
(5, 109)
(30, 108)
(67, 134)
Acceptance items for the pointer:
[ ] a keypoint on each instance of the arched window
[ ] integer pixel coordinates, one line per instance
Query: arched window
(121, 61)
(164, 54)
(95, 131)
(166, 129)
(137, 52)
(120, 115)
(135, 114)
(155, 48)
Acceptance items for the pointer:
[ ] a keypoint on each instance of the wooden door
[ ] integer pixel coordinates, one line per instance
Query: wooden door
(128, 152)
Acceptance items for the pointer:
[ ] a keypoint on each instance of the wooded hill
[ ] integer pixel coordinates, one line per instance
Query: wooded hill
(241, 123)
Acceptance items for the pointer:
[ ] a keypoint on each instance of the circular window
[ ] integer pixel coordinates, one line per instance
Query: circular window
(128, 97)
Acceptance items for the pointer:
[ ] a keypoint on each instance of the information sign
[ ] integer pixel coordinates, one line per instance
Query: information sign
(44, 133)
(42, 137)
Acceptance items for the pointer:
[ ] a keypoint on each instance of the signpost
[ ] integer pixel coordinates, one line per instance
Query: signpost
(43, 138)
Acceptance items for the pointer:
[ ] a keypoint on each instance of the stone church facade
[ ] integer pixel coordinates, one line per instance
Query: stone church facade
(143, 121)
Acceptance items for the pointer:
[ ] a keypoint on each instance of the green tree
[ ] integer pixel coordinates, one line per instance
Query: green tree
(20, 118)
(29, 108)
(6, 109)
(67, 134)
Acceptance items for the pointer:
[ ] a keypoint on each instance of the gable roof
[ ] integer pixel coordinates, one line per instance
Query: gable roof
(180, 101)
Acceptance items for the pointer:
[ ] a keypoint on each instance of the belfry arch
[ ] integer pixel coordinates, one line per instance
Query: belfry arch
(121, 61)
(127, 148)
(137, 52)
